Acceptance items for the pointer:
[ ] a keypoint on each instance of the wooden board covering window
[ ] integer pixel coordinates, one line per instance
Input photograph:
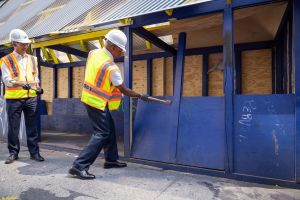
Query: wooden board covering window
(62, 83)
(139, 76)
(77, 82)
(192, 80)
(158, 70)
(215, 78)
(169, 76)
(257, 72)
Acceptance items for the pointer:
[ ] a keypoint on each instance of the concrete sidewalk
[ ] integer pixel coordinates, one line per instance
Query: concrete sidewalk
(30, 180)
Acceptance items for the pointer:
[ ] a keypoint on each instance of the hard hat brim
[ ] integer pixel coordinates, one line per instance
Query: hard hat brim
(26, 41)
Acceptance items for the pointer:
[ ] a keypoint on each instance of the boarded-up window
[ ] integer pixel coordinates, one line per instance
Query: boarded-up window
(257, 72)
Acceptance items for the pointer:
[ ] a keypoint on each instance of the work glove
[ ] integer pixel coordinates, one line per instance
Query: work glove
(26, 86)
(144, 97)
(39, 91)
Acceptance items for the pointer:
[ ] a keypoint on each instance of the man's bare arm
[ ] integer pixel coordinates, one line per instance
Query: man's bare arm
(128, 92)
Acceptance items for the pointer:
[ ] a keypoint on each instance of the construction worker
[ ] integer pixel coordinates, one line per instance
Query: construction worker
(102, 92)
(20, 76)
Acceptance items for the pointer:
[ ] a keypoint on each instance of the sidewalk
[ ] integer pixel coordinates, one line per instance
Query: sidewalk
(30, 180)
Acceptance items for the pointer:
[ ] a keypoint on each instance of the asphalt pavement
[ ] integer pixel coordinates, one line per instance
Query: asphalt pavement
(26, 179)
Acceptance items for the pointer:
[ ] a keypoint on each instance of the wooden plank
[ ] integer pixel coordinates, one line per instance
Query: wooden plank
(62, 83)
(169, 76)
(215, 78)
(139, 76)
(158, 77)
(47, 83)
(257, 72)
(77, 83)
(192, 81)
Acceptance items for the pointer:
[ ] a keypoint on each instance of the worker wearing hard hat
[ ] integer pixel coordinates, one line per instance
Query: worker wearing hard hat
(102, 92)
(20, 76)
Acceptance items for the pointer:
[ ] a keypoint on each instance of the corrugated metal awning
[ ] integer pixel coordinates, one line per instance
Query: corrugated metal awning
(40, 17)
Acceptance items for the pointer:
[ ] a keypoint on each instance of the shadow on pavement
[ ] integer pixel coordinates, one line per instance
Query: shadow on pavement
(36, 193)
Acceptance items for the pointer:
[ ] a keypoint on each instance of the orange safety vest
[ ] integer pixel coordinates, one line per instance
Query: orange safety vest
(19, 75)
(98, 91)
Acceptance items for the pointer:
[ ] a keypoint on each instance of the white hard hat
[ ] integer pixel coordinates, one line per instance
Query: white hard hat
(118, 38)
(17, 35)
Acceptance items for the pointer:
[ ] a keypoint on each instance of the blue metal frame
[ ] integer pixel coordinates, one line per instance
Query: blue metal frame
(178, 82)
(205, 75)
(39, 58)
(55, 83)
(246, 3)
(180, 13)
(140, 31)
(69, 50)
(128, 83)
(228, 57)
(70, 79)
(285, 61)
(149, 76)
(296, 37)
(290, 53)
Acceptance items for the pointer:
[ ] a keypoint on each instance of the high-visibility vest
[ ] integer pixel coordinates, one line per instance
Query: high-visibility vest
(98, 91)
(19, 75)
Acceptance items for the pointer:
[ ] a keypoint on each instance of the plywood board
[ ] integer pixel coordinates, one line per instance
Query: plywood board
(139, 76)
(169, 76)
(47, 83)
(158, 70)
(62, 83)
(251, 24)
(77, 82)
(192, 80)
(257, 72)
(216, 77)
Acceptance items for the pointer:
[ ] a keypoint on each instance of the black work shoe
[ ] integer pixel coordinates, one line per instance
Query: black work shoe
(114, 164)
(11, 158)
(83, 174)
(37, 157)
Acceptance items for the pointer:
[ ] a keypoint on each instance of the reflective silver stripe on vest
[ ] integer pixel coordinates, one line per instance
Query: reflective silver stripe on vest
(103, 70)
(12, 65)
(101, 93)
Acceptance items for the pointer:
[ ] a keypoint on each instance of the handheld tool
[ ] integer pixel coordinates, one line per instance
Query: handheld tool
(164, 101)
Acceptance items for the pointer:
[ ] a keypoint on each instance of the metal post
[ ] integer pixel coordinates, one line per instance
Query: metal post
(178, 83)
(70, 79)
(55, 82)
(204, 75)
(127, 100)
(228, 57)
(296, 59)
(149, 76)
(39, 58)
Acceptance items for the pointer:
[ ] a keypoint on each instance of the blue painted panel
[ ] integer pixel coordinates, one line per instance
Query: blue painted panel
(296, 61)
(154, 131)
(201, 137)
(264, 136)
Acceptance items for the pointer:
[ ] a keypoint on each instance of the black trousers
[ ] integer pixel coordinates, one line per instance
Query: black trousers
(103, 136)
(14, 108)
